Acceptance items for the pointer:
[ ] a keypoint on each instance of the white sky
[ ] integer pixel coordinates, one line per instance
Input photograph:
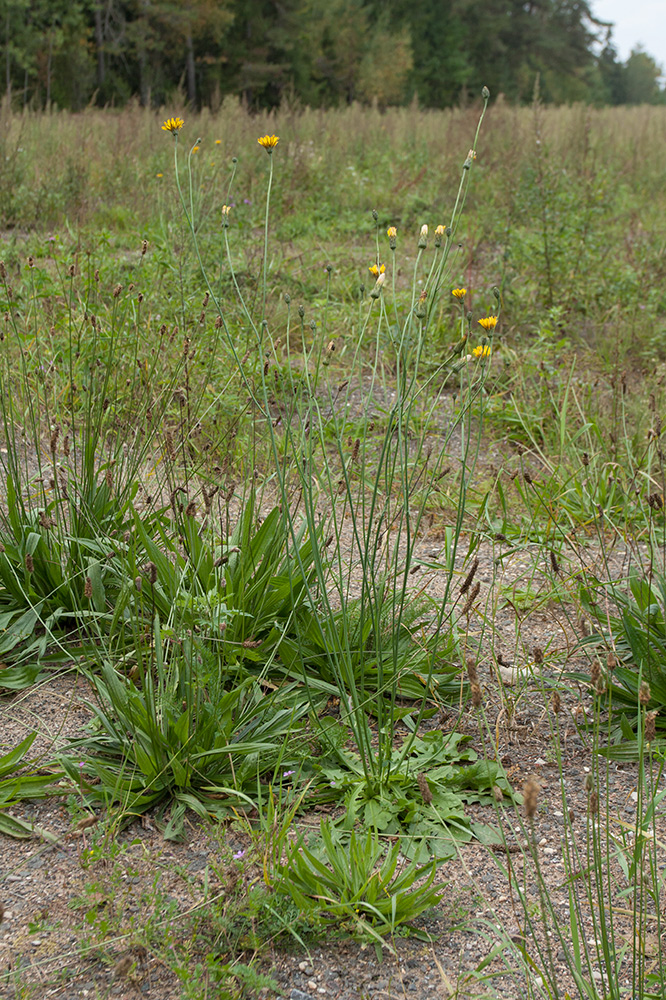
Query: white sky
(637, 22)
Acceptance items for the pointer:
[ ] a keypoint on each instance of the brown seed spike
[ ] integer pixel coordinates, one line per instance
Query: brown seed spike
(556, 702)
(473, 594)
(467, 582)
(87, 590)
(650, 726)
(537, 653)
(424, 788)
(191, 509)
(531, 790)
(644, 693)
(554, 563)
(477, 695)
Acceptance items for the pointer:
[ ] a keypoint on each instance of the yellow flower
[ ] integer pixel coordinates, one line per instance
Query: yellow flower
(217, 142)
(269, 142)
(376, 271)
(392, 232)
(160, 175)
(459, 293)
(482, 351)
(226, 209)
(195, 149)
(173, 125)
(488, 322)
(440, 231)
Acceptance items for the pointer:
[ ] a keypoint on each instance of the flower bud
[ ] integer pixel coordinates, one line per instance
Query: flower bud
(423, 238)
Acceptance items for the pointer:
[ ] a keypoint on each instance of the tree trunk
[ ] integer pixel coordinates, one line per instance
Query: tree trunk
(49, 64)
(99, 45)
(8, 60)
(191, 72)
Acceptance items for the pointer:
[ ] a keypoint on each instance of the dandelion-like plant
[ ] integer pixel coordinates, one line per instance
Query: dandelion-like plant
(488, 323)
(173, 125)
(269, 142)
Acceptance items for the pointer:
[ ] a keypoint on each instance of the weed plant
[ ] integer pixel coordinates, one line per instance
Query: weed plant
(220, 464)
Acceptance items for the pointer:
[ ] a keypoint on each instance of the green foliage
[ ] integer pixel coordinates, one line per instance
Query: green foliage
(637, 634)
(28, 784)
(358, 884)
(313, 51)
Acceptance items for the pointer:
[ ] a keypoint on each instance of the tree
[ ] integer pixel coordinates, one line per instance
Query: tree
(641, 78)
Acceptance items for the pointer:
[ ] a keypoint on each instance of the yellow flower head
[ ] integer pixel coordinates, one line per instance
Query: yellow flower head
(392, 232)
(459, 293)
(488, 322)
(217, 142)
(481, 351)
(160, 175)
(173, 125)
(226, 209)
(269, 142)
(376, 271)
(440, 231)
(195, 149)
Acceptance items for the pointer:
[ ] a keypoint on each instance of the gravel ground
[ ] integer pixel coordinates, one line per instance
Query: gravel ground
(46, 888)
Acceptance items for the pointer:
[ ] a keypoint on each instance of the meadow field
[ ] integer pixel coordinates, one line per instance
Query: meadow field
(332, 552)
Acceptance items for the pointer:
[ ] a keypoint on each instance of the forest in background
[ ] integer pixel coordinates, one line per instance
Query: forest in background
(321, 53)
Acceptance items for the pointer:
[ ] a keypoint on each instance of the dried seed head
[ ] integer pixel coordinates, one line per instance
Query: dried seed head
(589, 783)
(29, 564)
(471, 670)
(644, 693)
(611, 660)
(467, 582)
(357, 445)
(594, 804)
(554, 563)
(3, 271)
(144, 247)
(31, 261)
(71, 270)
(54, 438)
(585, 459)
(473, 594)
(556, 702)
(424, 788)
(595, 671)
(151, 570)
(117, 290)
(191, 509)
(498, 794)
(537, 653)
(572, 815)
(600, 689)
(108, 476)
(531, 790)
(477, 695)
(655, 501)
(584, 626)
(138, 583)
(87, 590)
